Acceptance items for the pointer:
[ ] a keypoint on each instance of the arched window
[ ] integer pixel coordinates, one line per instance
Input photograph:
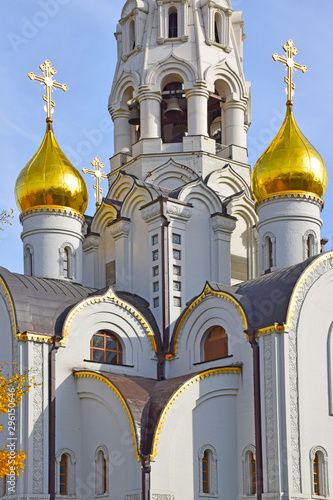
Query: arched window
(319, 471)
(207, 470)
(173, 23)
(132, 35)
(63, 476)
(105, 347)
(28, 261)
(218, 28)
(310, 246)
(173, 112)
(66, 262)
(269, 253)
(65, 472)
(215, 344)
(249, 471)
(101, 463)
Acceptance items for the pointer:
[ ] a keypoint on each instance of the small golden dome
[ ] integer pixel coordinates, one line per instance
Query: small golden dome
(49, 179)
(290, 164)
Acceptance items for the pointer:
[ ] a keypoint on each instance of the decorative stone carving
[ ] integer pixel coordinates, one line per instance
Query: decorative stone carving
(38, 419)
(120, 228)
(223, 223)
(151, 212)
(133, 496)
(162, 496)
(178, 210)
(269, 414)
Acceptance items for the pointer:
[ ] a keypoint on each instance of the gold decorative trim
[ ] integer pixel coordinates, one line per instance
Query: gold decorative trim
(35, 337)
(10, 305)
(107, 297)
(273, 328)
(108, 383)
(175, 396)
(207, 291)
(301, 281)
(292, 194)
(53, 208)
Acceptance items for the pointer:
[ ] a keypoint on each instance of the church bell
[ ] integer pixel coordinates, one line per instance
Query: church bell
(135, 114)
(173, 110)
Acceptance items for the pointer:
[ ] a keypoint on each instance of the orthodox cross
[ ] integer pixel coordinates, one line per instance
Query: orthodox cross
(50, 84)
(96, 172)
(291, 51)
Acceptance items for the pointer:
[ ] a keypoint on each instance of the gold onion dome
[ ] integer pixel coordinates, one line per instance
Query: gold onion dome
(49, 179)
(290, 164)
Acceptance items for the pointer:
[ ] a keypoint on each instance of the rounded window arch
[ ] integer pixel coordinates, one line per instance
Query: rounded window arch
(214, 344)
(65, 472)
(249, 471)
(101, 470)
(105, 347)
(310, 244)
(207, 470)
(173, 22)
(29, 260)
(319, 471)
(67, 261)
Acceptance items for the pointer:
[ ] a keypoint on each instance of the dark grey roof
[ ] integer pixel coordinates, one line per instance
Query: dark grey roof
(265, 300)
(39, 302)
(41, 305)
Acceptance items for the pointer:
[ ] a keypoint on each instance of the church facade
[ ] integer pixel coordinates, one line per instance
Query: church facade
(181, 337)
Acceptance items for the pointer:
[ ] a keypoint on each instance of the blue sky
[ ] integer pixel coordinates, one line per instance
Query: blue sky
(77, 37)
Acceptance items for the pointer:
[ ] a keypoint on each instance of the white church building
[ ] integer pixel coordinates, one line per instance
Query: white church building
(183, 333)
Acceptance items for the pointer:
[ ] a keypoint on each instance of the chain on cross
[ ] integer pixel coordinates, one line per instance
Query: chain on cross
(291, 64)
(96, 172)
(50, 84)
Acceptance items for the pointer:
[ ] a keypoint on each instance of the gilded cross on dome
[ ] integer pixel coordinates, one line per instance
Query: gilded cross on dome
(96, 172)
(50, 84)
(291, 51)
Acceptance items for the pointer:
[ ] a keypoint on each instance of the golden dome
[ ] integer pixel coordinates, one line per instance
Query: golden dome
(49, 179)
(290, 164)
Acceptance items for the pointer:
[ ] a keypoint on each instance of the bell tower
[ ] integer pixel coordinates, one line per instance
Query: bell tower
(179, 89)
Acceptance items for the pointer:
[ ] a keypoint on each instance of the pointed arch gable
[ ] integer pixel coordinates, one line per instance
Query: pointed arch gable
(171, 175)
(228, 177)
(109, 297)
(232, 383)
(138, 195)
(191, 313)
(171, 65)
(223, 71)
(121, 186)
(199, 189)
(127, 79)
(105, 214)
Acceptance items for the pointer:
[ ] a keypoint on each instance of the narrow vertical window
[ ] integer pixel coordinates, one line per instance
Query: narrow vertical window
(173, 23)
(132, 35)
(253, 474)
(205, 472)
(66, 262)
(217, 28)
(316, 482)
(101, 473)
(28, 262)
(309, 246)
(270, 253)
(63, 478)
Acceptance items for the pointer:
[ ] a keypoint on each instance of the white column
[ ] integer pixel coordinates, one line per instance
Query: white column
(90, 260)
(122, 131)
(234, 132)
(223, 226)
(120, 231)
(197, 111)
(150, 114)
